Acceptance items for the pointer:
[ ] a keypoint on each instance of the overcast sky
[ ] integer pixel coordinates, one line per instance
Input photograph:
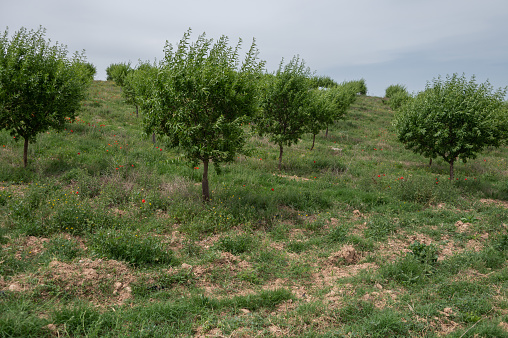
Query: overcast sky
(385, 42)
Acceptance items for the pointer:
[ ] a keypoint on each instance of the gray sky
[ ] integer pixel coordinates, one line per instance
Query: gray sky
(385, 42)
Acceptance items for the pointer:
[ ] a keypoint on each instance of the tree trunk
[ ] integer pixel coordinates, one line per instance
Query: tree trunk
(25, 153)
(153, 138)
(326, 134)
(204, 183)
(451, 170)
(313, 141)
(430, 162)
(280, 156)
(137, 111)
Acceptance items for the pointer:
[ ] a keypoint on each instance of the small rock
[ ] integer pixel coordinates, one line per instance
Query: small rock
(51, 327)
(379, 286)
(357, 213)
(186, 266)
(117, 287)
(15, 287)
(244, 311)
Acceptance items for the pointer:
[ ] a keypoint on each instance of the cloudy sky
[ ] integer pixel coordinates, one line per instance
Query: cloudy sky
(385, 42)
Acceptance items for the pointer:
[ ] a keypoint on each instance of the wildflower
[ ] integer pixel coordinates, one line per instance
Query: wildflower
(378, 175)
(272, 189)
(143, 201)
(79, 153)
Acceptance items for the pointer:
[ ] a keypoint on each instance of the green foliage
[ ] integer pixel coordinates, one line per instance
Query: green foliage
(267, 299)
(424, 253)
(62, 248)
(200, 100)
(82, 320)
(453, 119)
(118, 72)
(380, 227)
(393, 89)
(18, 318)
(407, 270)
(39, 85)
(137, 84)
(359, 86)
(137, 249)
(322, 82)
(355, 311)
(286, 102)
(339, 234)
(329, 105)
(91, 70)
(236, 244)
(398, 99)
(398, 95)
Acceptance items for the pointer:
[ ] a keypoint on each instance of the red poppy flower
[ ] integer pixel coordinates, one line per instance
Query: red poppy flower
(272, 189)
(143, 201)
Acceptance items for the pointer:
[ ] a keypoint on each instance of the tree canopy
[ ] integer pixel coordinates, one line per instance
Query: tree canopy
(40, 85)
(286, 104)
(454, 118)
(200, 97)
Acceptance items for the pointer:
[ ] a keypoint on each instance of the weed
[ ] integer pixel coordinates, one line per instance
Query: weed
(135, 248)
(62, 249)
(236, 244)
(426, 254)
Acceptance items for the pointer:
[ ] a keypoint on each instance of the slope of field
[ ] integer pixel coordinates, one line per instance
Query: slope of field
(105, 234)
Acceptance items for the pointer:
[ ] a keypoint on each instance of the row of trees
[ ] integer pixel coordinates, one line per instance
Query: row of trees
(201, 94)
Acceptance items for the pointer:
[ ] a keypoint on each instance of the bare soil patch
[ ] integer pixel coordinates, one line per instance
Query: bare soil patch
(499, 203)
(104, 282)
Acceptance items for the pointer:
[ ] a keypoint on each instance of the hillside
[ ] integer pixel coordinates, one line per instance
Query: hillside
(105, 234)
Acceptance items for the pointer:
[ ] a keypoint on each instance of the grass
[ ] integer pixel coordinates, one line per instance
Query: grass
(105, 234)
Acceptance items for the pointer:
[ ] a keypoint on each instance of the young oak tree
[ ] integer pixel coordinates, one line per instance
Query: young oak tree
(454, 119)
(286, 105)
(39, 85)
(201, 95)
